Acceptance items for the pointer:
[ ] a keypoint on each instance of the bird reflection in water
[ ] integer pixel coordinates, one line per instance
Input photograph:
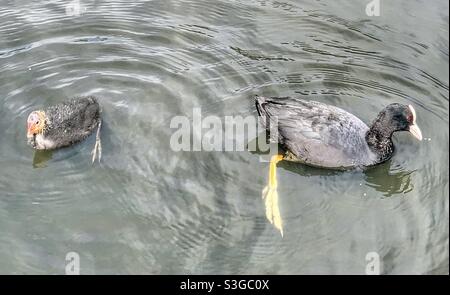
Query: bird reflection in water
(41, 157)
(389, 179)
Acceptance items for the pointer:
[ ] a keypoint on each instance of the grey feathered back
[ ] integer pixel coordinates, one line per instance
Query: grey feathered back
(316, 133)
(72, 121)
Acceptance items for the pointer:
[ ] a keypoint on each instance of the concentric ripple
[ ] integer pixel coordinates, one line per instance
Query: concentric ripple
(147, 209)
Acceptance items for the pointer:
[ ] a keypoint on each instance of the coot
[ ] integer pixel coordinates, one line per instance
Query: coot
(64, 124)
(326, 136)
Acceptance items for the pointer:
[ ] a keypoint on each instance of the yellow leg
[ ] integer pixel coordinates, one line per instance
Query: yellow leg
(270, 195)
(98, 145)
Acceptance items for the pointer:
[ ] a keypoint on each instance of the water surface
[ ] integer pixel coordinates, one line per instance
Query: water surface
(148, 210)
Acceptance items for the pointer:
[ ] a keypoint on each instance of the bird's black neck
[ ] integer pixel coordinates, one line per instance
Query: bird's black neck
(379, 139)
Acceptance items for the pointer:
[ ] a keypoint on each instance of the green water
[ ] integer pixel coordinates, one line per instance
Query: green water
(146, 209)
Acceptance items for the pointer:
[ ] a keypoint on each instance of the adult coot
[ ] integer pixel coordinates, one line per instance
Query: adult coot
(64, 124)
(321, 135)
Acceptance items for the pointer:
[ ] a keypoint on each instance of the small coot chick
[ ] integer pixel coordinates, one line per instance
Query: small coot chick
(321, 135)
(64, 124)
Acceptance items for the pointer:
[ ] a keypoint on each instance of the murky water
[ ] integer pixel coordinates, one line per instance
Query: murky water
(147, 209)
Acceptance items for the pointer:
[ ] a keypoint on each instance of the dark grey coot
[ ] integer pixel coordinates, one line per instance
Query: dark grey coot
(322, 135)
(326, 136)
(64, 124)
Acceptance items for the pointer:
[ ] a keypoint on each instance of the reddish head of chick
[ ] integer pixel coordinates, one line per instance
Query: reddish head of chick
(35, 123)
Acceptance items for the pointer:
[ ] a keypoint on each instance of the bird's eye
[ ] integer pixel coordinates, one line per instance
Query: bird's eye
(410, 118)
(37, 122)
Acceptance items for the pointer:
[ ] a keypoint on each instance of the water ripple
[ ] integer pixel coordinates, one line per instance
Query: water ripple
(165, 212)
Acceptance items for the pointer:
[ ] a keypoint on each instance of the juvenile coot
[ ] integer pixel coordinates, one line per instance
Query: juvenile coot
(321, 135)
(64, 124)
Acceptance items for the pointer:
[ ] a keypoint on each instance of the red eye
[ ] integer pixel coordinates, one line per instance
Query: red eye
(410, 118)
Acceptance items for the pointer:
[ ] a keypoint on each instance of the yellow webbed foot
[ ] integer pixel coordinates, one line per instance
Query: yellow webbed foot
(270, 196)
(98, 145)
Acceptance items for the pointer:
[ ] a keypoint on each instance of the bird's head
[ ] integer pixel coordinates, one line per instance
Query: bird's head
(402, 118)
(35, 123)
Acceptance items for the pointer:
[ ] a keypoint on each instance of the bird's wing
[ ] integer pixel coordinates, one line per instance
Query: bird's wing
(75, 119)
(314, 132)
